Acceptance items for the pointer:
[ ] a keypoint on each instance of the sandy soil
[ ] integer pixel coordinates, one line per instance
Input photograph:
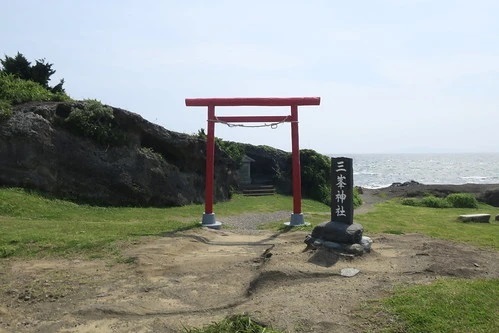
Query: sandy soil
(195, 277)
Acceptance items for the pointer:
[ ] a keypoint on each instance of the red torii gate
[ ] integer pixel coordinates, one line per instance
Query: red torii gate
(209, 219)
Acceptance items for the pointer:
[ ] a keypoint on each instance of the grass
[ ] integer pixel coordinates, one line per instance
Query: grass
(448, 305)
(236, 323)
(265, 204)
(395, 218)
(34, 226)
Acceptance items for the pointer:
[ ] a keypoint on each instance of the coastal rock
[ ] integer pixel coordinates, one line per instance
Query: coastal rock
(415, 189)
(154, 167)
(483, 218)
(491, 197)
(266, 161)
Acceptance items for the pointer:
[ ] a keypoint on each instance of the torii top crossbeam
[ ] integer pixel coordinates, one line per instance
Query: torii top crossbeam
(253, 101)
(293, 102)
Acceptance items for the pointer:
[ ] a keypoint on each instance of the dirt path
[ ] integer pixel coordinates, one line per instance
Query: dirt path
(193, 278)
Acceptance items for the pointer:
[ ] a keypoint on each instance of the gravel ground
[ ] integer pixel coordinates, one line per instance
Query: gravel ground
(253, 221)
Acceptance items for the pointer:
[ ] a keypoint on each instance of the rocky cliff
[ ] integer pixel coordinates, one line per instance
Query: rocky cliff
(150, 167)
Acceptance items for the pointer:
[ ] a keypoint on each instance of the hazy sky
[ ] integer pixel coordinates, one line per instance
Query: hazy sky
(393, 75)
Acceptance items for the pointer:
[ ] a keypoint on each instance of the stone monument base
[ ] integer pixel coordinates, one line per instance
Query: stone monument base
(338, 232)
(352, 249)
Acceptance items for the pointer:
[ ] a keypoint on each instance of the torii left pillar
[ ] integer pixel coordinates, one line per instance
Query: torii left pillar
(209, 219)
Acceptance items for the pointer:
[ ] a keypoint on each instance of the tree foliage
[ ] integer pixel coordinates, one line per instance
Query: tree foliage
(316, 177)
(40, 72)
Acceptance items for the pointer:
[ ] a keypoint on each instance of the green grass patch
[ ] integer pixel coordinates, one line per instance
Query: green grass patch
(314, 212)
(35, 226)
(393, 217)
(265, 204)
(233, 324)
(448, 305)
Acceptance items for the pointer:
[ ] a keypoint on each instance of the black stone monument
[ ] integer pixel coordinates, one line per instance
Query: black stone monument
(342, 190)
(341, 228)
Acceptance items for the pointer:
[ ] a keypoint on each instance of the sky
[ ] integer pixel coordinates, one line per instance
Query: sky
(394, 76)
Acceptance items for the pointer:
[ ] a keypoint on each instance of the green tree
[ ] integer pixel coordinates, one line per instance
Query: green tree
(39, 73)
(18, 66)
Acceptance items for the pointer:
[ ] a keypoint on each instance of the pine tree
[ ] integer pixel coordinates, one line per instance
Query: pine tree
(40, 72)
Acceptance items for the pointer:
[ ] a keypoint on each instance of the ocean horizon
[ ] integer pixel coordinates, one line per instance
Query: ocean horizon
(382, 170)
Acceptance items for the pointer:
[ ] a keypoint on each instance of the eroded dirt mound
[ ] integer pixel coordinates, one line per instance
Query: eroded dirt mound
(193, 278)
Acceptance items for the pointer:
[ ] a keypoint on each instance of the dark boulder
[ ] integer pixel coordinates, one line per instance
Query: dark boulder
(153, 166)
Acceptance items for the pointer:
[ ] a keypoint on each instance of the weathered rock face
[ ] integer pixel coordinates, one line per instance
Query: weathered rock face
(156, 167)
(269, 166)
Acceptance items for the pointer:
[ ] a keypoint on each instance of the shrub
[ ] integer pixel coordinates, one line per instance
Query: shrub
(315, 175)
(95, 121)
(5, 110)
(455, 200)
(462, 200)
(357, 199)
(16, 91)
(410, 202)
(150, 153)
(434, 202)
(234, 150)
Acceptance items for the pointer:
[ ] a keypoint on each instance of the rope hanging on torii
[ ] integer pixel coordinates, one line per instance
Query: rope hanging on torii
(271, 125)
(209, 219)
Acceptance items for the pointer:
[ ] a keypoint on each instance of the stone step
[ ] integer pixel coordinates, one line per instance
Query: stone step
(483, 218)
(255, 190)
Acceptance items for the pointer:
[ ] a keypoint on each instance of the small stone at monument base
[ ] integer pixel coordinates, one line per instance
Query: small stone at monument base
(366, 242)
(317, 243)
(475, 218)
(339, 232)
(349, 272)
(356, 249)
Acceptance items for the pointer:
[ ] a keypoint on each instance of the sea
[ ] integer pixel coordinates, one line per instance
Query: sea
(382, 170)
